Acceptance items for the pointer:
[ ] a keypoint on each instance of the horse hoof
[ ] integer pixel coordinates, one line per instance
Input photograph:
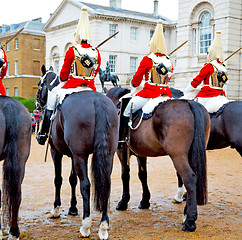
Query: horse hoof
(178, 200)
(55, 213)
(144, 205)
(11, 237)
(122, 206)
(103, 231)
(85, 228)
(189, 227)
(73, 211)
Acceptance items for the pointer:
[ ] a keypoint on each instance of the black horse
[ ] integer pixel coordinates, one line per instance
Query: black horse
(86, 124)
(180, 129)
(103, 78)
(226, 128)
(15, 138)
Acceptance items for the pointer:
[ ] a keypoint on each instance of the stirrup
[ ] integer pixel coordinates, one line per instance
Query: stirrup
(41, 138)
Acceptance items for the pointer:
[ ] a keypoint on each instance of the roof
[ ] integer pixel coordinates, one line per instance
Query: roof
(33, 27)
(96, 10)
(105, 10)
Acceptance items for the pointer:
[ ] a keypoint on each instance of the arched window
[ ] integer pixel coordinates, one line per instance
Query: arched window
(205, 36)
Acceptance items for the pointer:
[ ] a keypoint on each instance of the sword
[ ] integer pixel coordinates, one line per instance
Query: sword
(100, 44)
(17, 33)
(128, 140)
(232, 54)
(177, 48)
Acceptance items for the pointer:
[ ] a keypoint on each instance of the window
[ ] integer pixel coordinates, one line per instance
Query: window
(16, 68)
(56, 69)
(112, 63)
(133, 33)
(205, 37)
(133, 64)
(7, 47)
(36, 70)
(16, 92)
(16, 43)
(112, 29)
(151, 33)
(36, 44)
(7, 91)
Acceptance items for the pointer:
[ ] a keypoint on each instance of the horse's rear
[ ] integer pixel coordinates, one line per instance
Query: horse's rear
(88, 124)
(226, 129)
(15, 128)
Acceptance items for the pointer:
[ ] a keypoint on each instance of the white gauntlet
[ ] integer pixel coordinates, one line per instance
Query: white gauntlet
(189, 88)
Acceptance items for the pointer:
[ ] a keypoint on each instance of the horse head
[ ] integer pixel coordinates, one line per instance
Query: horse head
(43, 87)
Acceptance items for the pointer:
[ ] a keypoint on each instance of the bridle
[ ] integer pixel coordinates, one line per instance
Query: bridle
(42, 85)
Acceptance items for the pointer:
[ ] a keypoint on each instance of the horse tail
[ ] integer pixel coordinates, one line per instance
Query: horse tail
(11, 183)
(100, 174)
(197, 153)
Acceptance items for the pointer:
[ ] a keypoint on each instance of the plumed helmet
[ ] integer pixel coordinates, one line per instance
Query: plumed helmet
(83, 28)
(157, 43)
(215, 51)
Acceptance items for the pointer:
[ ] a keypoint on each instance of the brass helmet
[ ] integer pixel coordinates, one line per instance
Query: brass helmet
(157, 43)
(215, 51)
(83, 28)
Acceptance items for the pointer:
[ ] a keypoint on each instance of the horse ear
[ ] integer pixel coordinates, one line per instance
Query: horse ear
(43, 70)
(51, 69)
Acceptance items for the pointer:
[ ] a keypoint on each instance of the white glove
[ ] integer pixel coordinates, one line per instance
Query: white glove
(189, 88)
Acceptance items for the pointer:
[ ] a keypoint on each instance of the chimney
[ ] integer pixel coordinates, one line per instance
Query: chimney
(156, 7)
(115, 3)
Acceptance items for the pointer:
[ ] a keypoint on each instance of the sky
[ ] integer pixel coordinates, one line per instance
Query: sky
(15, 11)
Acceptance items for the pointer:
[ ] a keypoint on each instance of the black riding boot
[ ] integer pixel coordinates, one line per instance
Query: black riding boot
(123, 124)
(43, 134)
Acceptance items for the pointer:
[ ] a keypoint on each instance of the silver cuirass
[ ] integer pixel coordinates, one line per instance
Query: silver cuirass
(85, 61)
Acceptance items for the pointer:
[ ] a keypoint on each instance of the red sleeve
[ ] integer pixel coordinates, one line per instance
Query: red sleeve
(66, 68)
(205, 72)
(143, 69)
(4, 69)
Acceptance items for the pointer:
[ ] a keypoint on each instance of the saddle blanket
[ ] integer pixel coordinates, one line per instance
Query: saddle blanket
(64, 92)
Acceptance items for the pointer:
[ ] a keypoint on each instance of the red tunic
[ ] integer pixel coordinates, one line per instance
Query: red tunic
(203, 76)
(65, 74)
(3, 74)
(149, 90)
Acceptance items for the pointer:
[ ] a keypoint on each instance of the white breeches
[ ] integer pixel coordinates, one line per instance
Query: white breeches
(202, 100)
(52, 96)
(138, 103)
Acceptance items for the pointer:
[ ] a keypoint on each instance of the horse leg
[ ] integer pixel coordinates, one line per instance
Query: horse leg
(57, 159)
(80, 166)
(189, 179)
(145, 202)
(73, 182)
(104, 225)
(123, 203)
(180, 192)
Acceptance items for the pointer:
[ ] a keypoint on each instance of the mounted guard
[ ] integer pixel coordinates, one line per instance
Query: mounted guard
(156, 68)
(213, 77)
(81, 65)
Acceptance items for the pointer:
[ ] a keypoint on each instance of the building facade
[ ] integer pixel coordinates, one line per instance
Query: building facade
(25, 56)
(197, 22)
(124, 51)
